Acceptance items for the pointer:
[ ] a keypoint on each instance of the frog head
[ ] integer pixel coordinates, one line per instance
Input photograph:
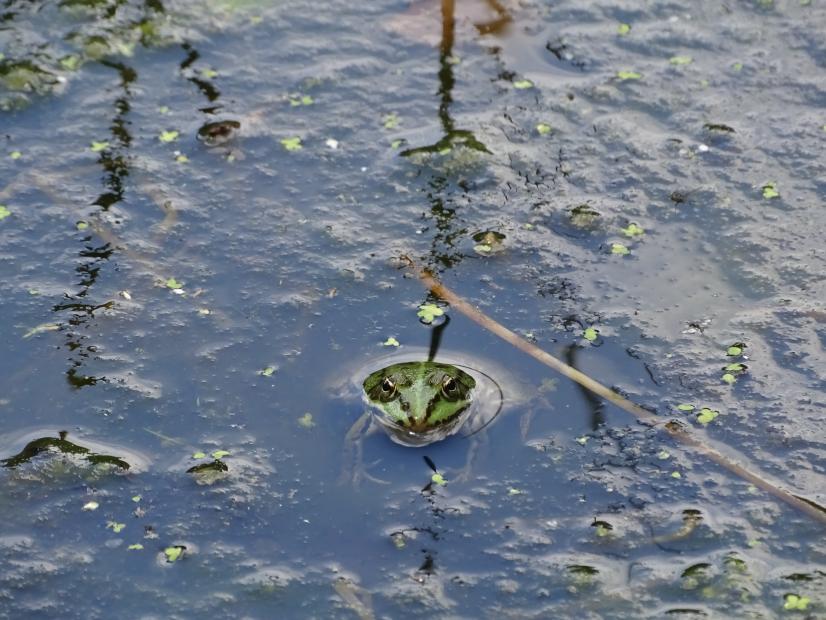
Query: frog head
(418, 403)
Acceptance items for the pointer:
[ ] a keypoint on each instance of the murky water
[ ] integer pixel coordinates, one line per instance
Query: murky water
(180, 293)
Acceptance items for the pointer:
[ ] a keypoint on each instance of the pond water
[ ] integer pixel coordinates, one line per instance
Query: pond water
(204, 205)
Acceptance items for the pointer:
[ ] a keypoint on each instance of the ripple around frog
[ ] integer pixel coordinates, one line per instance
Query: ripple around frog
(489, 395)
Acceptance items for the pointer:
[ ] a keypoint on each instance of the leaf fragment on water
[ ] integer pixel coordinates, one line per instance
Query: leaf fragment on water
(523, 84)
(15, 154)
(707, 415)
(428, 312)
(306, 421)
(219, 454)
(390, 121)
(590, 334)
(633, 230)
(735, 349)
(199, 455)
(81, 225)
(97, 147)
(685, 407)
(291, 144)
(43, 327)
(115, 526)
(437, 478)
(92, 505)
(681, 60)
(173, 284)
(770, 190)
(168, 136)
(135, 547)
(174, 553)
(629, 75)
(623, 29)
(794, 602)
(543, 129)
(619, 248)
(267, 372)
(4, 212)
(390, 342)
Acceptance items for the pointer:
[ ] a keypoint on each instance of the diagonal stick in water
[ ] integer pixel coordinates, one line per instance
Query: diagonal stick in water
(675, 429)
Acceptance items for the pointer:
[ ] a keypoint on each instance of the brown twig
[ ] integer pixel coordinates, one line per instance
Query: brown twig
(678, 431)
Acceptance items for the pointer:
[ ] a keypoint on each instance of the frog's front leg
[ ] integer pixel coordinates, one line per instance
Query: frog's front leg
(353, 469)
(477, 443)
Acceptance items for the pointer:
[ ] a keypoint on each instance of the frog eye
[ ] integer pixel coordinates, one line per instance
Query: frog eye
(450, 389)
(387, 387)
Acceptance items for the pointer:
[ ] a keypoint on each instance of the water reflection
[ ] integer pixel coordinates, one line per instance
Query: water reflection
(443, 254)
(114, 161)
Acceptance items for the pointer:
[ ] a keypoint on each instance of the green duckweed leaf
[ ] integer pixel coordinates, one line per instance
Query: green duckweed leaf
(428, 312)
(515, 491)
(390, 121)
(306, 421)
(92, 505)
(685, 407)
(181, 159)
(793, 602)
(681, 60)
(735, 349)
(15, 154)
(4, 212)
(115, 526)
(219, 454)
(482, 248)
(199, 455)
(523, 84)
(590, 334)
(707, 415)
(209, 74)
(623, 29)
(770, 190)
(164, 109)
(390, 342)
(618, 248)
(168, 136)
(97, 147)
(735, 367)
(629, 75)
(633, 230)
(728, 378)
(174, 553)
(267, 372)
(81, 225)
(291, 144)
(136, 498)
(173, 284)
(676, 474)
(438, 479)
(135, 547)
(737, 66)
(663, 455)
(582, 440)
(543, 129)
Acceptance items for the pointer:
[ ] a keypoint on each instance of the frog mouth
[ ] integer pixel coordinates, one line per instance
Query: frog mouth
(423, 434)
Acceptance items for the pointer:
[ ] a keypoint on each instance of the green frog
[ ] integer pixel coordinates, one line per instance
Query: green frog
(420, 402)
